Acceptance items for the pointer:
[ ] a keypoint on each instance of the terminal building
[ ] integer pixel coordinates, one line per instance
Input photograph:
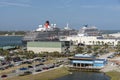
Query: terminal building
(86, 62)
(91, 36)
(50, 46)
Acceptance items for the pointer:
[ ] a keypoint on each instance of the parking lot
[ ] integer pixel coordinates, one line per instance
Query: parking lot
(33, 68)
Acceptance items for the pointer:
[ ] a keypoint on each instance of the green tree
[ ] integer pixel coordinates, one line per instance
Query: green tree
(95, 48)
(79, 49)
(106, 45)
(118, 48)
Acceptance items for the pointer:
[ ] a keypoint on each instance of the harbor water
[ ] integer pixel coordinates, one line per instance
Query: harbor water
(84, 76)
(10, 41)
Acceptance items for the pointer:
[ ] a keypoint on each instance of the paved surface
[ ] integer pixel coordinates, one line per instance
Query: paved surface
(19, 72)
(111, 65)
(104, 56)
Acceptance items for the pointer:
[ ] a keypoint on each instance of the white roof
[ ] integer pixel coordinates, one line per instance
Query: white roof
(83, 55)
(2, 58)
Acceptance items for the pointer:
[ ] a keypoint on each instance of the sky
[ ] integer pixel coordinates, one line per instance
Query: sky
(28, 14)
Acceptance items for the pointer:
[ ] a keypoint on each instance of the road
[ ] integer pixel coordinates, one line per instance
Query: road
(104, 56)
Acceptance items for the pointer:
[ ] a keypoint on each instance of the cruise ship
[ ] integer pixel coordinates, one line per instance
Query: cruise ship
(90, 35)
(48, 32)
(89, 31)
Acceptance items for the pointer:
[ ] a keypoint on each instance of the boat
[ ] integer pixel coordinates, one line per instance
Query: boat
(47, 32)
(90, 35)
(89, 31)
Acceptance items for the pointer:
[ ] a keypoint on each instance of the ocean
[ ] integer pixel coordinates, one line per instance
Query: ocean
(10, 41)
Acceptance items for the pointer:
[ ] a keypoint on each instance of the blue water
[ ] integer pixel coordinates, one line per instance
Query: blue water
(10, 41)
(84, 76)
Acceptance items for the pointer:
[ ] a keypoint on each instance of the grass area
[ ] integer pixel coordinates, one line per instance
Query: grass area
(49, 61)
(114, 75)
(48, 75)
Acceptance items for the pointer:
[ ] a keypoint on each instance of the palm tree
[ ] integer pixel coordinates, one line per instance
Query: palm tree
(93, 43)
(109, 43)
(118, 48)
(98, 42)
(95, 48)
(8, 58)
(30, 54)
(106, 45)
(113, 43)
(102, 43)
(79, 49)
(1, 51)
(89, 51)
(5, 52)
(89, 46)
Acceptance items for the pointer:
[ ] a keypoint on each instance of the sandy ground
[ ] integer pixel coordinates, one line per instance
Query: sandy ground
(113, 65)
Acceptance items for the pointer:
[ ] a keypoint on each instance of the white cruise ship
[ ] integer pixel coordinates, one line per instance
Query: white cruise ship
(47, 32)
(89, 31)
(90, 36)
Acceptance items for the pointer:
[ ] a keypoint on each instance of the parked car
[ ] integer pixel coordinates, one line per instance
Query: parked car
(4, 76)
(57, 65)
(37, 59)
(2, 68)
(23, 68)
(27, 62)
(45, 68)
(38, 70)
(111, 56)
(30, 66)
(26, 73)
(39, 64)
(52, 66)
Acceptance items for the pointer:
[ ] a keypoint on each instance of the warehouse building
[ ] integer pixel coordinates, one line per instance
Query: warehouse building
(49, 46)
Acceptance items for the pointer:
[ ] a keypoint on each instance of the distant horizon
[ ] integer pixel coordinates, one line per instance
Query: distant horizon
(60, 28)
(28, 14)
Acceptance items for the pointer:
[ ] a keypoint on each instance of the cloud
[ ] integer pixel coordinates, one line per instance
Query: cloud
(23, 0)
(116, 7)
(111, 7)
(14, 4)
(90, 6)
(65, 4)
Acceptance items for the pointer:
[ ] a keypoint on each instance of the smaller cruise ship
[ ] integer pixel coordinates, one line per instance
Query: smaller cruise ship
(89, 31)
(90, 35)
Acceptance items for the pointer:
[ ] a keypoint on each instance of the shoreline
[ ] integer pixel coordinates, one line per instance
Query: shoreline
(11, 35)
(51, 75)
(112, 70)
(114, 75)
